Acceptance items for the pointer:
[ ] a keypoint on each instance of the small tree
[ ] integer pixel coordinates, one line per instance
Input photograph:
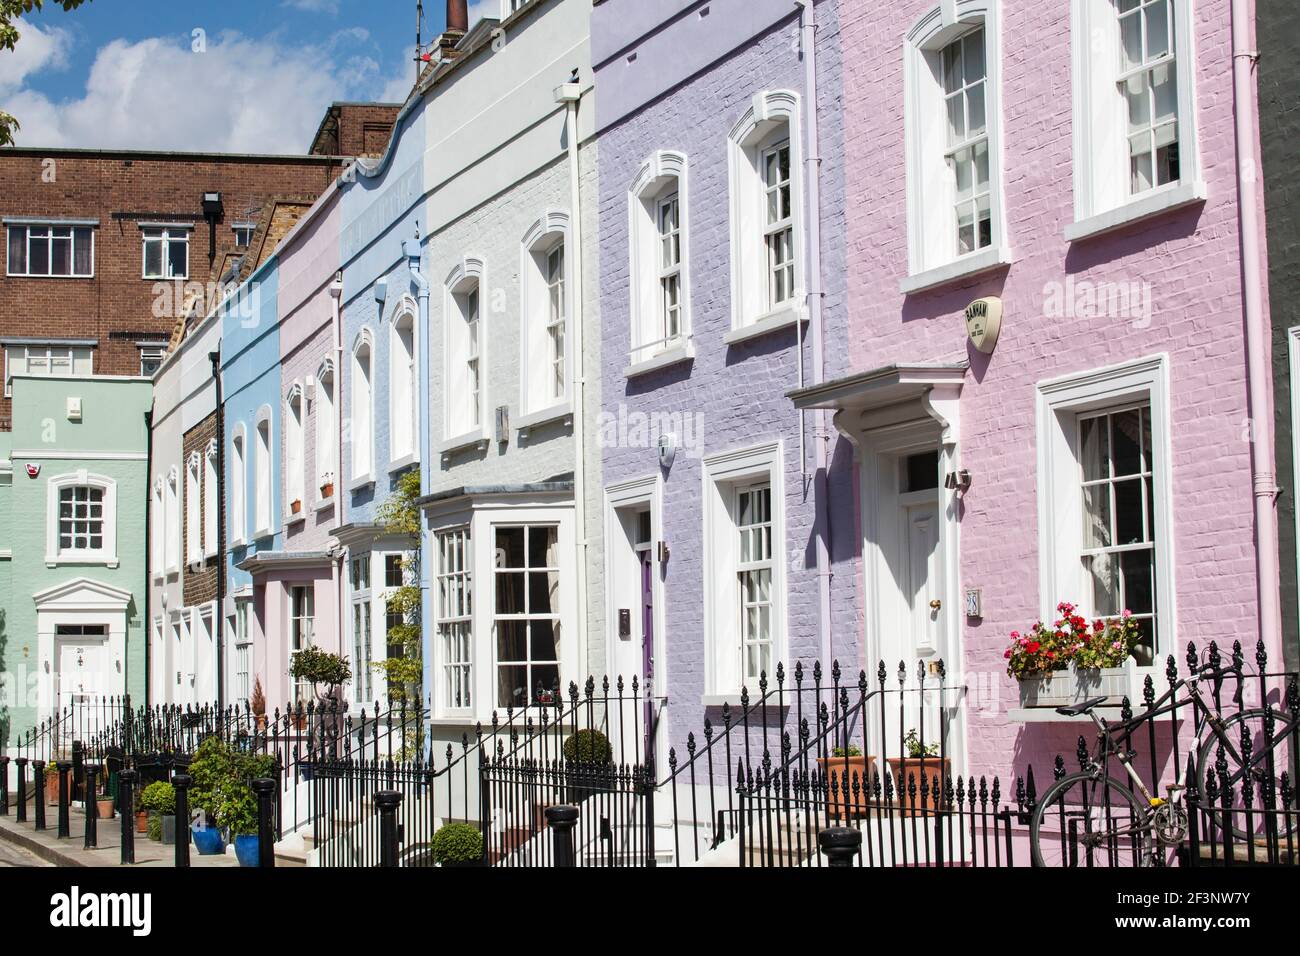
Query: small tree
(404, 666)
(316, 667)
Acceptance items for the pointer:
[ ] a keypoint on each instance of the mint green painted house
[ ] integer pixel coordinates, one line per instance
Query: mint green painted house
(72, 543)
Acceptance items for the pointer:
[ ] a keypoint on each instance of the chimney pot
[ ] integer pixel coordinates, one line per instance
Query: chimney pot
(457, 16)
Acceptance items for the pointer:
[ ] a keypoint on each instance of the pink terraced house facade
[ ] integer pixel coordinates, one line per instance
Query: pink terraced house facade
(1071, 165)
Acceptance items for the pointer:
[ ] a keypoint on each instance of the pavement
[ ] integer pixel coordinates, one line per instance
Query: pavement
(21, 844)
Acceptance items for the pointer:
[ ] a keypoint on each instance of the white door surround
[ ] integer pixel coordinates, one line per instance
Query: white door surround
(81, 603)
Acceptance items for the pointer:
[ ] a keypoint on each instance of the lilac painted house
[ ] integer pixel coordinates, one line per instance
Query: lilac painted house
(1047, 387)
(722, 287)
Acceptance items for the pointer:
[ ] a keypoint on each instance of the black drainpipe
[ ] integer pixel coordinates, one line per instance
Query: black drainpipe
(148, 554)
(215, 358)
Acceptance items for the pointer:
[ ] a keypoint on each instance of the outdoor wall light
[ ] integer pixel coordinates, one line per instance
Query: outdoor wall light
(381, 291)
(957, 480)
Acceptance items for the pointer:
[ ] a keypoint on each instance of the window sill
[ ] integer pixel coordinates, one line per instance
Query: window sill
(54, 561)
(324, 503)
(544, 416)
(766, 324)
(362, 482)
(406, 461)
(1048, 715)
(733, 700)
(477, 438)
(967, 267)
(263, 533)
(674, 355)
(295, 519)
(1144, 207)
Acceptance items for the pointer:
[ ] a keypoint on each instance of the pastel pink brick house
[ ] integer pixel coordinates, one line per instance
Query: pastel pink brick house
(1073, 161)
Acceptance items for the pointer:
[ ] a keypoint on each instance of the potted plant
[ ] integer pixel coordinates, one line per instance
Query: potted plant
(296, 505)
(52, 782)
(921, 767)
(840, 769)
(159, 801)
(457, 844)
(588, 770)
(257, 703)
(141, 814)
(319, 667)
(327, 486)
(104, 806)
(1073, 660)
(237, 814)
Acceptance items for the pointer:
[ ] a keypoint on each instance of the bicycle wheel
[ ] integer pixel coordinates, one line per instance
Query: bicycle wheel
(1282, 755)
(1090, 821)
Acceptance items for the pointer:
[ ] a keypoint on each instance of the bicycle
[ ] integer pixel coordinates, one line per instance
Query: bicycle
(1102, 821)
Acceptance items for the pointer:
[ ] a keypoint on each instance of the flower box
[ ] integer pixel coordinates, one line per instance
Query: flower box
(1073, 686)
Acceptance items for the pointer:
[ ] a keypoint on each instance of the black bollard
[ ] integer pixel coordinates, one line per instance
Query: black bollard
(65, 824)
(264, 787)
(78, 768)
(92, 811)
(181, 784)
(4, 786)
(563, 820)
(22, 789)
(840, 844)
(38, 785)
(387, 801)
(126, 797)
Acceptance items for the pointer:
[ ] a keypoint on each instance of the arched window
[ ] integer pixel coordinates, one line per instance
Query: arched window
(659, 266)
(326, 435)
(363, 455)
(210, 498)
(238, 486)
(465, 391)
(262, 471)
(295, 466)
(193, 514)
(81, 519)
(403, 379)
(172, 490)
(157, 530)
(544, 285)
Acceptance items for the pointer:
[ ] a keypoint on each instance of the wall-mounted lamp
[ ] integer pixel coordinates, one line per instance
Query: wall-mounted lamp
(957, 480)
(381, 291)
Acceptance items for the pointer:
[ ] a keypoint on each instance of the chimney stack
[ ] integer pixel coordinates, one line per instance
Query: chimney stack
(457, 16)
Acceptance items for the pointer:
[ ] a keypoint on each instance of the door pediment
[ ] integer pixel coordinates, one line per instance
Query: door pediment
(82, 594)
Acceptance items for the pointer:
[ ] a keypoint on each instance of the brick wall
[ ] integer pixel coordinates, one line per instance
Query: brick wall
(120, 189)
(355, 129)
(199, 587)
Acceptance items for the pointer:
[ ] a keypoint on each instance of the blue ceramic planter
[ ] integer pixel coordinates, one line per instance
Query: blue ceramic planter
(246, 848)
(208, 841)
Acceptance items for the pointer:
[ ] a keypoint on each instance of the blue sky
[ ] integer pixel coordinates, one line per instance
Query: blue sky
(257, 78)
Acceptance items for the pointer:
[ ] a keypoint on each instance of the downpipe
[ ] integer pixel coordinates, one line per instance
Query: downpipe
(414, 252)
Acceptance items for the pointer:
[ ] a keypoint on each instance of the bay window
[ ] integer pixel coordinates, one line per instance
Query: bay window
(526, 614)
(362, 652)
(455, 624)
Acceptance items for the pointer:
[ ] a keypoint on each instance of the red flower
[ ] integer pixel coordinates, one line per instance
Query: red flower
(1032, 647)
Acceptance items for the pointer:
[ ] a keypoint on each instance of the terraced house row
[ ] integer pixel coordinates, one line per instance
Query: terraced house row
(721, 335)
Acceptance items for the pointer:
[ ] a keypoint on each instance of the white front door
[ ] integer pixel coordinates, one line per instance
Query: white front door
(83, 679)
(923, 587)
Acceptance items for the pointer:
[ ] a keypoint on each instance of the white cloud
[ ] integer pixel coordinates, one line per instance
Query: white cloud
(241, 95)
(37, 50)
(313, 6)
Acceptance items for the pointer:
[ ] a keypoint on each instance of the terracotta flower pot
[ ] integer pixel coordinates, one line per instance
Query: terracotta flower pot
(51, 787)
(296, 506)
(105, 807)
(841, 772)
(913, 769)
(142, 822)
(327, 490)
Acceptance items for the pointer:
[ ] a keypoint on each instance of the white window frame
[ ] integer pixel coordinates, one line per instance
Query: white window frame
(663, 174)
(403, 386)
(362, 599)
(301, 638)
(152, 354)
(211, 505)
(295, 452)
(444, 581)
(362, 410)
(772, 117)
(172, 544)
(74, 354)
(242, 641)
(193, 513)
(244, 228)
(931, 204)
(72, 229)
(105, 555)
(158, 532)
(264, 473)
(459, 426)
(1060, 401)
(1102, 199)
(537, 398)
(239, 485)
(723, 474)
(165, 234)
(323, 410)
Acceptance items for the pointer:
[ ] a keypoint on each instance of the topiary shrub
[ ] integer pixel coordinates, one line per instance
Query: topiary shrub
(457, 843)
(589, 747)
(216, 766)
(154, 828)
(316, 667)
(159, 797)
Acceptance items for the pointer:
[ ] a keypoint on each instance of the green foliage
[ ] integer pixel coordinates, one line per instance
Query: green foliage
(11, 10)
(853, 750)
(915, 748)
(457, 843)
(154, 828)
(236, 808)
(588, 746)
(404, 673)
(159, 797)
(217, 765)
(318, 666)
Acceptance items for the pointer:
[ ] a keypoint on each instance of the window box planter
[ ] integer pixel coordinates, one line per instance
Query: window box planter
(1073, 686)
(842, 771)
